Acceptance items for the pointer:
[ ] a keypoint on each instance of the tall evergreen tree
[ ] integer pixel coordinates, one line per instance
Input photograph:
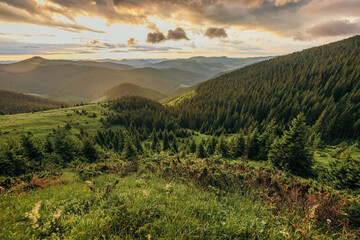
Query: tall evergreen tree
(129, 151)
(166, 143)
(137, 142)
(222, 147)
(253, 145)
(290, 152)
(200, 151)
(174, 145)
(238, 145)
(154, 140)
(89, 151)
(193, 146)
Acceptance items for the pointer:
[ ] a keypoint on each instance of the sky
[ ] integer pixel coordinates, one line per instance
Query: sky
(117, 29)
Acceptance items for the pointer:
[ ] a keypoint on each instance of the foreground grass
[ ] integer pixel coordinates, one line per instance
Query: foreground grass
(42, 123)
(145, 207)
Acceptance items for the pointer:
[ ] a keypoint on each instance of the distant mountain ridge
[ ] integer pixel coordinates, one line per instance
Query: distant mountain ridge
(79, 79)
(87, 79)
(208, 66)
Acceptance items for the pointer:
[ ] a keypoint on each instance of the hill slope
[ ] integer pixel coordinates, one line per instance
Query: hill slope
(128, 89)
(11, 103)
(41, 76)
(322, 82)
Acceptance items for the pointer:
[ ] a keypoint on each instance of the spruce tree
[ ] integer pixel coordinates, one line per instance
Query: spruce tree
(89, 151)
(290, 152)
(174, 145)
(266, 139)
(238, 145)
(200, 151)
(193, 146)
(154, 140)
(166, 143)
(129, 151)
(137, 142)
(253, 145)
(222, 147)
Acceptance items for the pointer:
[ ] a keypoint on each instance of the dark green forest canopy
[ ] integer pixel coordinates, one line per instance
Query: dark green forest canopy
(322, 81)
(11, 103)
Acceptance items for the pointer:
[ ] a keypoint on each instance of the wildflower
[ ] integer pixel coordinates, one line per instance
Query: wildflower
(34, 215)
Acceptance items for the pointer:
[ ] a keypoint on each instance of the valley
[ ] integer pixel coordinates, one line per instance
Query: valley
(265, 151)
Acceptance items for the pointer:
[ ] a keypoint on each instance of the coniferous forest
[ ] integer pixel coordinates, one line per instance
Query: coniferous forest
(268, 151)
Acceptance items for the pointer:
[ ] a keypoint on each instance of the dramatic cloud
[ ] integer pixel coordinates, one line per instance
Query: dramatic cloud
(158, 37)
(177, 34)
(132, 42)
(8, 47)
(329, 29)
(334, 28)
(29, 11)
(271, 15)
(155, 37)
(213, 32)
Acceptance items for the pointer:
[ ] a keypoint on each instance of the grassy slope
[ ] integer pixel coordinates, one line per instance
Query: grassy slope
(140, 207)
(42, 123)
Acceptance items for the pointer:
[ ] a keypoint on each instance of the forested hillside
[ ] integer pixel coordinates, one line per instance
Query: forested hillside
(322, 82)
(258, 153)
(11, 103)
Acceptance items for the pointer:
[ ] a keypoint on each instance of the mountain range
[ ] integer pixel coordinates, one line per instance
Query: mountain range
(87, 80)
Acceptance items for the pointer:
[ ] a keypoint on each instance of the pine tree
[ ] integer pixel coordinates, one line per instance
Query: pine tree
(266, 139)
(222, 147)
(129, 151)
(193, 146)
(253, 145)
(211, 145)
(90, 151)
(174, 145)
(137, 142)
(154, 140)
(200, 151)
(290, 152)
(238, 145)
(166, 143)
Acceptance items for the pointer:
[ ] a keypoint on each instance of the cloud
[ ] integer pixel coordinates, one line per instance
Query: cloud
(27, 35)
(213, 32)
(280, 17)
(11, 47)
(132, 42)
(332, 8)
(269, 15)
(145, 48)
(177, 34)
(155, 37)
(29, 11)
(331, 28)
(334, 28)
(190, 45)
(95, 44)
